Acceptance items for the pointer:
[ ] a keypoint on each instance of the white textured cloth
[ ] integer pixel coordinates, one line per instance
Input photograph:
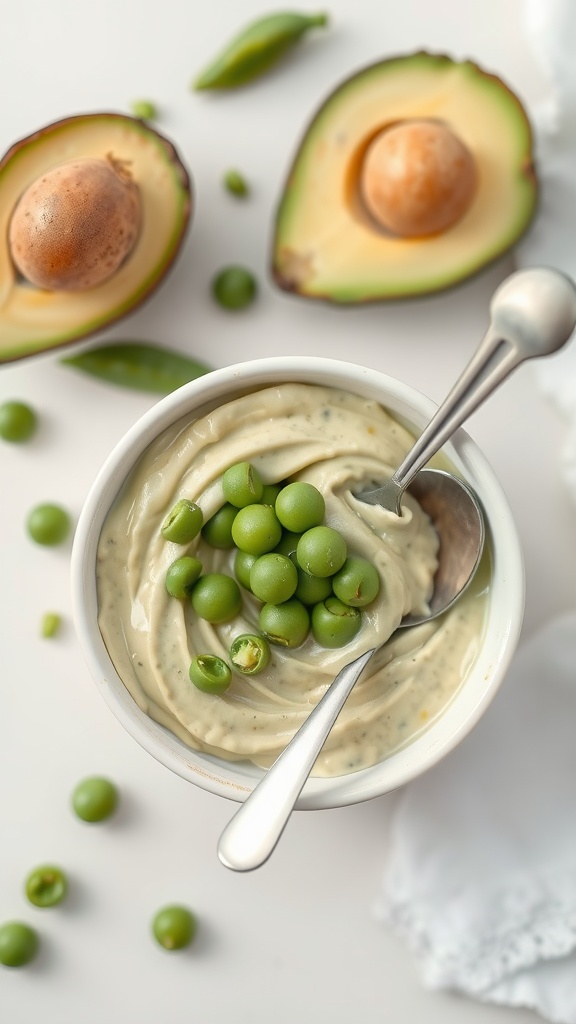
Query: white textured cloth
(480, 878)
(481, 874)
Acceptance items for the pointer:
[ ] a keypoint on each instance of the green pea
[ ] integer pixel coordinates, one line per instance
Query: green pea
(18, 944)
(288, 544)
(250, 653)
(256, 529)
(210, 673)
(138, 366)
(182, 575)
(300, 506)
(216, 597)
(144, 109)
(334, 624)
(256, 49)
(234, 288)
(236, 183)
(183, 523)
(17, 421)
(270, 493)
(217, 531)
(48, 524)
(174, 927)
(95, 799)
(242, 485)
(285, 624)
(243, 562)
(321, 551)
(50, 624)
(273, 578)
(46, 886)
(312, 589)
(357, 583)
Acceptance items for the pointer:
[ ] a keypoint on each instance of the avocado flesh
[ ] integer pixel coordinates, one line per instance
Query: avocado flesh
(33, 320)
(325, 244)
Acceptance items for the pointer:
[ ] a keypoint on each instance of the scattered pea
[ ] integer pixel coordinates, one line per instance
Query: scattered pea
(50, 624)
(216, 597)
(17, 421)
(250, 653)
(174, 927)
(18, 944)
(144, 109)
(183, 523)
(210, 673)
(182, 576)
(234, 288)
(95, 799)
(236, 183)
(46, 886)
(48, 524)
(242, 485)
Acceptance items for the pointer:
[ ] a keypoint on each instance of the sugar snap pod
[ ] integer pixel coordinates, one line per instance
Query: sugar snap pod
(138, 365)
(257, 48)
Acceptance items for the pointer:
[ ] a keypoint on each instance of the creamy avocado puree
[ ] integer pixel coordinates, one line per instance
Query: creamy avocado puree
(340, 443)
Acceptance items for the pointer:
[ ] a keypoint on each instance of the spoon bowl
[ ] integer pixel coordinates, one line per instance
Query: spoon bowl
(457, 515)
(532, 313)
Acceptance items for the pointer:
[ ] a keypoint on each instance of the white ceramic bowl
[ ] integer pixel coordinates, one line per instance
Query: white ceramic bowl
(235, 780)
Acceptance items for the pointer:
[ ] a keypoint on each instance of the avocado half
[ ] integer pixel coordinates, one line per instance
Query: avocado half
(32, 319)
(326, 246)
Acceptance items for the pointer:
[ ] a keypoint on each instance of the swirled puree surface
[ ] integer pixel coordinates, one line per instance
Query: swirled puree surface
(341, 443)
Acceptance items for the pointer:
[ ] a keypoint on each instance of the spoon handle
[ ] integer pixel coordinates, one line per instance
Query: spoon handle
(253, 832)
(533, 313)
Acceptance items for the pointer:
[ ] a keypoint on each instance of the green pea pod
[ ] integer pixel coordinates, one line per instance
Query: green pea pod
(138, 365)
(257, 49)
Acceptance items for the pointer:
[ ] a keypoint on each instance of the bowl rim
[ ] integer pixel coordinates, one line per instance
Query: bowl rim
(235, 780)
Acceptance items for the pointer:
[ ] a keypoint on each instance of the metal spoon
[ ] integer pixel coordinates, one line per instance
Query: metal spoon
(533, 313)
(459, 522)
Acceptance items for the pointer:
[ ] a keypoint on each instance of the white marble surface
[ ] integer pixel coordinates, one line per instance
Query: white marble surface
(297, 939)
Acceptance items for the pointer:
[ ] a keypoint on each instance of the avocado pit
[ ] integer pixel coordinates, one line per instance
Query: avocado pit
(417, 178)
(75, 225)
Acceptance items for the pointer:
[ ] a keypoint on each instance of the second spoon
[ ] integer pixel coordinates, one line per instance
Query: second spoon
(533, 313)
